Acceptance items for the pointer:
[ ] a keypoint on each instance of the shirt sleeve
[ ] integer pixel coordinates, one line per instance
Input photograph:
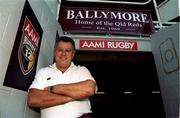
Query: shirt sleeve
(86, 75)
(39, 80)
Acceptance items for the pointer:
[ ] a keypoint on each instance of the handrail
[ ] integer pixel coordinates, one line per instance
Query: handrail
(157, 13)
(143, 38)
(116, 2)
(164, 2)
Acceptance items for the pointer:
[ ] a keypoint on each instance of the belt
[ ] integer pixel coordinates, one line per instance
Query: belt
(86, 115)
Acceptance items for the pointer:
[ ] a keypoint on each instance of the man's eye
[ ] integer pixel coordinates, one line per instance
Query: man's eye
(60, 50)
(68, 50)
(64, 50)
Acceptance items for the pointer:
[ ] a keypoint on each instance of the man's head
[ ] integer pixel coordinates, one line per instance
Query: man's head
(64, 52)
(65, 39)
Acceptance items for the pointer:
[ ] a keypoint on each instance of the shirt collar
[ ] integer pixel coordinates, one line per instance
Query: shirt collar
(54, 66)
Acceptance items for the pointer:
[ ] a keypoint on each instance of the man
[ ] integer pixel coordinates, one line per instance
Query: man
(62, 89)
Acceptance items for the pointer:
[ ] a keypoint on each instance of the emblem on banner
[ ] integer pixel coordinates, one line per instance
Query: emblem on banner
(28, 47)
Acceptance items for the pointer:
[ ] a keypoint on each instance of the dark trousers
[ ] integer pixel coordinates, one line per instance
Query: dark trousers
(87, 115)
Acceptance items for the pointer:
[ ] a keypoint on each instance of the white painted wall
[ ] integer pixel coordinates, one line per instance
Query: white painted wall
(170, 10)
(165, 47)
(13, 101)
(54, 6)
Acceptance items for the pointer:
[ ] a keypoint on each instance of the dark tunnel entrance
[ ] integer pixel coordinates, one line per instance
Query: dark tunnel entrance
(127, 82)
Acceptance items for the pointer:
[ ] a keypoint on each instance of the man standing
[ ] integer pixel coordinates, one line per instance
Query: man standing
(62, 89)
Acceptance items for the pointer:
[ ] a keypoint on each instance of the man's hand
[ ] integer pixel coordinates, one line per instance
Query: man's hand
(77, 91)
(49, 88)
(44, 98)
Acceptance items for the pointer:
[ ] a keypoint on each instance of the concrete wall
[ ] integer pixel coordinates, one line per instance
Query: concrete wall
(165, 47)
(13, 101)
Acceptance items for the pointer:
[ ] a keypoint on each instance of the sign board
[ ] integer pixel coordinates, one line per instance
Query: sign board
(105, 21)
(108, 44)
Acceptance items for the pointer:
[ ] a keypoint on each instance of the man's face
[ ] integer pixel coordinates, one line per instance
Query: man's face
(63, 54)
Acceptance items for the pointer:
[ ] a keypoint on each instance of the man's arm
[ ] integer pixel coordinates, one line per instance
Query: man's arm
(44, 98)
(77, 91)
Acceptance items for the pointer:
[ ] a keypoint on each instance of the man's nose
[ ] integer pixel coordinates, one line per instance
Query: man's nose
(63, 52)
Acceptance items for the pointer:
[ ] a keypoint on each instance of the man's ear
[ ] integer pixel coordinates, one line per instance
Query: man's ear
(74, 52)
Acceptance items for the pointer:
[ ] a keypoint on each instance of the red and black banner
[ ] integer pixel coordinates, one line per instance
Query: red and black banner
(22, 65)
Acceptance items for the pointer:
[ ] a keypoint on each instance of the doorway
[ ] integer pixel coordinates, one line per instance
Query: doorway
(127, 82)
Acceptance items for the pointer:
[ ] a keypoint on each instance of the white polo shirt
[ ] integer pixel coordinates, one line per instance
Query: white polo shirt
(49, 76)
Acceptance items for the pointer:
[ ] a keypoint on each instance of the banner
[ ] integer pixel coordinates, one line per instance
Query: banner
(22, 65)
(105, 21)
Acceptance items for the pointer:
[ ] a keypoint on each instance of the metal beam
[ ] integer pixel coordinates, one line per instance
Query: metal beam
(116, 2)
(143, 38)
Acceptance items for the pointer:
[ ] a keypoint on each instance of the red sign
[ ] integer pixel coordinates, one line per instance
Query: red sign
(30, 32)
(108, 44)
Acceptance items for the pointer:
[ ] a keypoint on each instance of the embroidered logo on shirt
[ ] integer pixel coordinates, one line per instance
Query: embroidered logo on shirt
(48, 78)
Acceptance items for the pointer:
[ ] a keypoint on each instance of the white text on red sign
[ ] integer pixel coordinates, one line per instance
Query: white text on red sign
(108, 44)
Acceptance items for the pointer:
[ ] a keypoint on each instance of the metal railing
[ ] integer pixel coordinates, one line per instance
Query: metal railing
(116, 2)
